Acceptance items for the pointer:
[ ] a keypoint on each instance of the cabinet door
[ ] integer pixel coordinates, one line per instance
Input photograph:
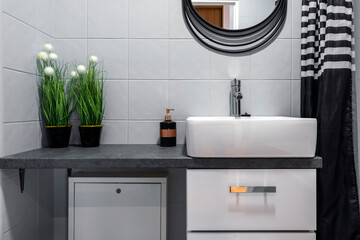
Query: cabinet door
(114, 211)
(251, 236)
(283, 200)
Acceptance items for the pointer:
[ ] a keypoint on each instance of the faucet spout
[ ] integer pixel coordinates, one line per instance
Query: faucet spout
(235, 98)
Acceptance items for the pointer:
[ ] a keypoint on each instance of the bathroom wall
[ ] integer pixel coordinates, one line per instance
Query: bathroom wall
(25, 26)
(152, 62)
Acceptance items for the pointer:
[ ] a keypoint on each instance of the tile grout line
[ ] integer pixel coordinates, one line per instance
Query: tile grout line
(25, 23)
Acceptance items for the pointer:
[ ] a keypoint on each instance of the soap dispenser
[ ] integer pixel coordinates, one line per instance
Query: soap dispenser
(168, 131)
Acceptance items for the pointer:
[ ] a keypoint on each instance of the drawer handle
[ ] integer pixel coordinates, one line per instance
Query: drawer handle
(254, 189)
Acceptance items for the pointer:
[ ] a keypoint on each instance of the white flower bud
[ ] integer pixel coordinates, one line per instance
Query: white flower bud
(81, 69)
(74, 74)
(93, 59)
(49, 71)
(53, 56)
(48, 47)
(42, 56)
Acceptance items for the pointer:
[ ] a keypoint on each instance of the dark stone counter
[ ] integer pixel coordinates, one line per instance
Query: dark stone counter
(142, 156)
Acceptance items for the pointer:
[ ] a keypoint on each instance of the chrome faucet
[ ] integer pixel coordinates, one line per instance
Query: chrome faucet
(235, 98)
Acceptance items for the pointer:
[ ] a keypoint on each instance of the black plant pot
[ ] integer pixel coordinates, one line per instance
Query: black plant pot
(58, 136)
(90, 135)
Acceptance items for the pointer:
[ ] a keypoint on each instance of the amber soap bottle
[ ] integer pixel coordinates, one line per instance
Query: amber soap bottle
(168, 131)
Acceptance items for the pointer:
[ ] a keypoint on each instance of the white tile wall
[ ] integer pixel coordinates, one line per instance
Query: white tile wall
(45, 201)
(188, 60)
(108, 18)
(148, 59)
(114, 54)
(148, 99)
(25, 11)
(1, 99)
(273, 62)
(149, 20)
(116, 97)
(288, 27)
(20, 137)
(70, 50)
(114, 132)
(190, 98)
(296, 18)
(226, 67)
(21, 45)
(296, 59)
(26, 229)
(153, 63)
(295, 98)
(70, 19)
(25, 27)
(23, 105)
(143, 132)
(17, 206)
(177, 25)
(271, 97)
(46, 23)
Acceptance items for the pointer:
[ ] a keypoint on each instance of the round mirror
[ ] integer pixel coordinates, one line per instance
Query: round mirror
(234, 14)
(234, 26)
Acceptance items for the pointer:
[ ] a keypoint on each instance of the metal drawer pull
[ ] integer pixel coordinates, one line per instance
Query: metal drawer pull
(254, 189)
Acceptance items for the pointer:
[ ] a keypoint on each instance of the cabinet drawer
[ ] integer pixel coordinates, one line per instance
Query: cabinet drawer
(284, 200)
(117, 208)
(251, 236)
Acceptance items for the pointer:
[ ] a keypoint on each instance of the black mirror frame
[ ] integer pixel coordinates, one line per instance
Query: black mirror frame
(239, 41)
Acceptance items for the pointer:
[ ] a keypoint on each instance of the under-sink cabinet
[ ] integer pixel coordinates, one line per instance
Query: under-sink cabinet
(117, 208)
(225, 204)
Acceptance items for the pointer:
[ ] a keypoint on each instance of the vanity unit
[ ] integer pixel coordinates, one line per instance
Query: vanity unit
(227, 198)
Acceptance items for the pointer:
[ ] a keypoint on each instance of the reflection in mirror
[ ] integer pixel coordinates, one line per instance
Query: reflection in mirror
(234, 14)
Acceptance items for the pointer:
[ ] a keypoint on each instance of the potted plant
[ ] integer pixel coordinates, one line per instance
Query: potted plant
(90, 104)
(56, 98)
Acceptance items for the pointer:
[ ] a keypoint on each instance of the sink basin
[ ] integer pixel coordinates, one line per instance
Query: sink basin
(251, 137)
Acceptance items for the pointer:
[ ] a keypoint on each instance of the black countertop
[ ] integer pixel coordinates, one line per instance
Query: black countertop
(142, 156)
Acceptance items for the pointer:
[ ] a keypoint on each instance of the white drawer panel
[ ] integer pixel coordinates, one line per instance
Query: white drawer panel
(117, 211)
(251, 236)
(211, 206)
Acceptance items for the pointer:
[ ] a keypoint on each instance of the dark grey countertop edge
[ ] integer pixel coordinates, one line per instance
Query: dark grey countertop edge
(9, 163)
(143, 156)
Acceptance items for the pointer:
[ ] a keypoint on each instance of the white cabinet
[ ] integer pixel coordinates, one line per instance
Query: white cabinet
(117, 208)
(251, 200)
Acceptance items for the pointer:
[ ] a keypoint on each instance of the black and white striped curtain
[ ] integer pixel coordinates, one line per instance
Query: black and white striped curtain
(326, 94)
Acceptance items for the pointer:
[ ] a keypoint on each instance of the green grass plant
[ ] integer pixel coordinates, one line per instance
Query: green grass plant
(55, 93)
(89, 90)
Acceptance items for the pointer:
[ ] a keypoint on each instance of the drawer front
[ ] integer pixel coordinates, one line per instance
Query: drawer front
(251, 236)
(117, 211)
(284, 200)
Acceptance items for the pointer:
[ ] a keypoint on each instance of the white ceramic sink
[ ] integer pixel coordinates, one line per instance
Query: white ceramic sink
(251, 137)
